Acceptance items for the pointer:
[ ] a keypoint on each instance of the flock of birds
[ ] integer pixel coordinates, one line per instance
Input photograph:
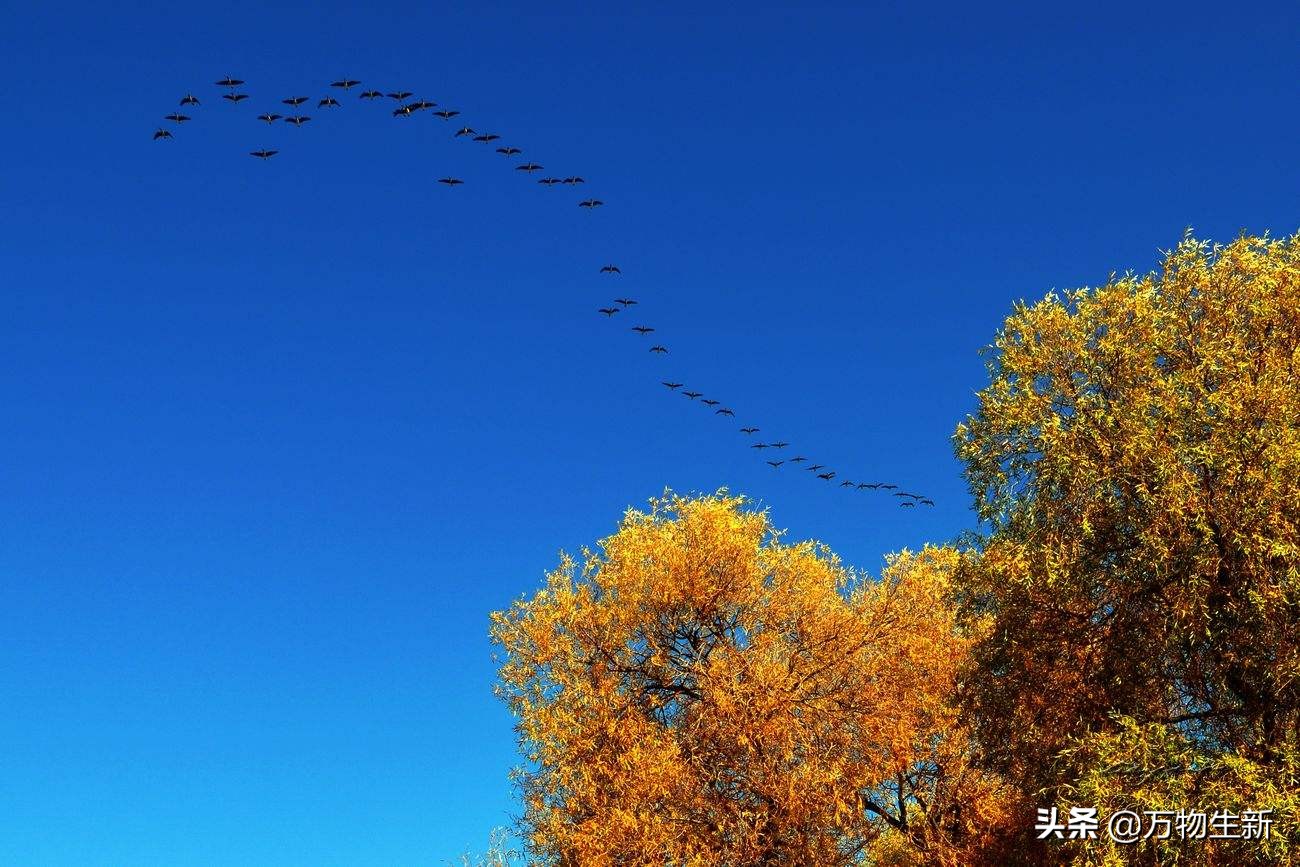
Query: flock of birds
(407, 107)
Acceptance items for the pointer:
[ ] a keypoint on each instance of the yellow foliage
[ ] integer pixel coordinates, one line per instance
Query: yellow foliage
(699, 692)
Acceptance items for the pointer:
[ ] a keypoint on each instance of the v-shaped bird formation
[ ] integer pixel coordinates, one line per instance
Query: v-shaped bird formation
(406, 107)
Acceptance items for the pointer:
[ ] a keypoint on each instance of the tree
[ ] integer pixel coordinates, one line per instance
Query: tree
(1136, 461)
(699, 692)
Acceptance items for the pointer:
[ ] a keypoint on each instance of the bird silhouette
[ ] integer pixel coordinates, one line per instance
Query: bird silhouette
(295, 101)
(263, 154)
(230, 82)
(660, 349)
(297, 120)
(609, 311)
(888, 487)
(509, 151)
(798, 459)
(779, 445)
(235, 97)
(328, 102)
(725, 411)
(371, 94)
(446, 115)
(642, 329)
(464, 130)
(626, 302)
(775, 463)
(711, 402)
(177, 118)
(907, 504)
(189, 99)
(826, 476)
(590, 203)
(422, 104)
(749, 430)
(403, 111)
(693, 394)
(345, 83)
(162, 133)
(451, 182)
(269, 118)
(550, 182)
(926, 501)
(815, 467)
(846, 484)
(399, 95)
(673, 385)
(527, 167)
(759, 446)
(487, 137)
(573, 181)
(610, 269)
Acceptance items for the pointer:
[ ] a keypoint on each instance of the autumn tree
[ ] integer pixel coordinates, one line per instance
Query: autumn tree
(698, 692)
(1136, 462)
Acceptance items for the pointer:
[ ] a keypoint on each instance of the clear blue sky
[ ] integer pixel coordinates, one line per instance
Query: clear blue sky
(277, 436)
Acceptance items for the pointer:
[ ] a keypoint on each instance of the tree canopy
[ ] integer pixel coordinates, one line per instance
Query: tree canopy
(1122, 631)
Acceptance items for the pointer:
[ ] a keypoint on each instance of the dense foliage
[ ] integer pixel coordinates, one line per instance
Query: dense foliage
(1124, 633)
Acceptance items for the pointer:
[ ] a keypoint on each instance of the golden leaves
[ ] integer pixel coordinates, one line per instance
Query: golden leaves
(701, 691)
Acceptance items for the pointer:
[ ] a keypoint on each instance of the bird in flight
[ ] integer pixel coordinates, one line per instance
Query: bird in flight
(725, 411)
(693, 394)
(889, 487)
(328, 102)
(759, 446)
(779, 445)
(297, 120)
(345, 83)
(189, 99)
(295, 101)
(749, 430)
(422, 104)
(711, 402)
(400, 95)
(907, 504)
(660, 349)
(487, 137)
(610, 269)
(673, 385)
(403, 111)
(509, 151)
(464, 130)
(230, 82)
(162, 133)
(642, 329)
(573, 181)
(590, 203)
(815, 467)
(550, 182)
(451, 182)
(269, 118)
(446, 115)
(626, 302)
(826, 476)
(234, 97)
(371, 94)
(846, 484)
(926, 501)
(775, 463)
(177, 118)
(798, 459)
(609, 311)
(527, 167)
(263, 154)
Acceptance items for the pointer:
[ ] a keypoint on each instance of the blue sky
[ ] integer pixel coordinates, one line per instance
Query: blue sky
(278, 436)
